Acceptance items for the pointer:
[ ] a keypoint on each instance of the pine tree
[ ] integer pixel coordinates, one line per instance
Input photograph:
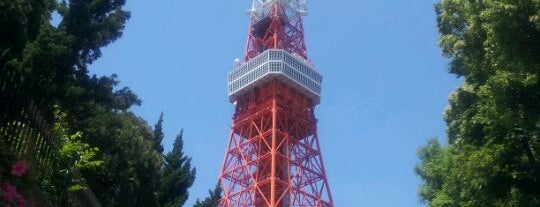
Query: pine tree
(158, 135)
(212, 200)
(178, 176)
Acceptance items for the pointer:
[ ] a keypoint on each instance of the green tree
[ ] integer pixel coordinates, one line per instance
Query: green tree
(50, 65)
(178, 176)
(212, 200)
(158, 135)
(73, 154)
(20, 22)
(129, 176)
(51, 62)
(494, 117)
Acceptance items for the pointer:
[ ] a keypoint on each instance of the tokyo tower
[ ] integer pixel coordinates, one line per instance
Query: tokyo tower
(273, 157)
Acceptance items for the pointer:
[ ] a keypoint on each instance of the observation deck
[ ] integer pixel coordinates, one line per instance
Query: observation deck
(292, 70)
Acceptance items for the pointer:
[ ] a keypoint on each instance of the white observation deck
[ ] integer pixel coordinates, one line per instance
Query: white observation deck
(293, 70)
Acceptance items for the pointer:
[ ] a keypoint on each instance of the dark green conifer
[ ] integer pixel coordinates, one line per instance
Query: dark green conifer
(178, 176)
(158, 135)
(213, 198)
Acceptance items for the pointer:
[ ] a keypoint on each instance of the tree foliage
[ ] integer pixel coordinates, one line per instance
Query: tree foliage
(129, 175)
(178, 176)
(73, 154)
(158, 134)
(494, 117)
(116, 151)
(212, 200)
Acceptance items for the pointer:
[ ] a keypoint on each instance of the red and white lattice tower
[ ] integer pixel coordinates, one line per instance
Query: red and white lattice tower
(273, 157)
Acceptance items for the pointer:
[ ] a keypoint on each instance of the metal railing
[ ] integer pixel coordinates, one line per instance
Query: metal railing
(26, 134)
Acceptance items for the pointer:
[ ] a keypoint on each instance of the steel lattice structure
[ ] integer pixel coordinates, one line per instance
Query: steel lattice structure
(276, 24)
(273, 157)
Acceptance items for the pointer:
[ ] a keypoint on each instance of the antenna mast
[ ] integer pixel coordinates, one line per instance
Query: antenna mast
(276, 24)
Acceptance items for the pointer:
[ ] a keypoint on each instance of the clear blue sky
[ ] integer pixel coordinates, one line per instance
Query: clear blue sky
(384, 91)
